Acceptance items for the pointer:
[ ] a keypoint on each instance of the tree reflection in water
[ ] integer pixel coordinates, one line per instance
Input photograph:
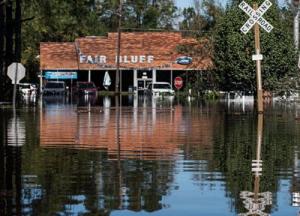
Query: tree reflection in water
(158, 161)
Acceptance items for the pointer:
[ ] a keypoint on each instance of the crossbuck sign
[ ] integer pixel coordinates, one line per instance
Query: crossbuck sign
(256, 16)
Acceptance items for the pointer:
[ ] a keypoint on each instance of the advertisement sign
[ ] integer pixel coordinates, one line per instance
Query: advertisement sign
(184, 60)
(60, 75)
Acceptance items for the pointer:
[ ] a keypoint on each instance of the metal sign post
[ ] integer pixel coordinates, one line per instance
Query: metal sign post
(257, 20)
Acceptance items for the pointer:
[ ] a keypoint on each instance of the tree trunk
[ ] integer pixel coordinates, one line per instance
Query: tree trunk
(9, 57)
(2, 30)
(18, 41)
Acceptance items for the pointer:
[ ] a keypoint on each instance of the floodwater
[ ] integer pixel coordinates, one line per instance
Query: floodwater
(151, 156)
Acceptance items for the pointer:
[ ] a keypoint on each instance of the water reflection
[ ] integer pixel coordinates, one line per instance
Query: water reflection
(138, 146)
(295, 189)
(159, 158)
(144, 133)
(256, 202)
(12, 137)
(16, 132)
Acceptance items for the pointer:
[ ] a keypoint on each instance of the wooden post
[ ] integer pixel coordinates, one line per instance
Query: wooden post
(117, 89)
(260, 123)
(15, 86)
(260, 107)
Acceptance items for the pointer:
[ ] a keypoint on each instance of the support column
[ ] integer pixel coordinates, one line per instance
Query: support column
(153, 75)
(121, 81)
(135, 84)
(41, 82)
(89, 76)
(171, 78)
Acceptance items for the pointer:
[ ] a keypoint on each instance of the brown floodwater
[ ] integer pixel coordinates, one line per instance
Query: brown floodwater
(149, 156)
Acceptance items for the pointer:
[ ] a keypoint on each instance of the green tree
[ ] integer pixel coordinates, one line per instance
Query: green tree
(65, 20)
(202, 17)
(234, 67)
(56, 21)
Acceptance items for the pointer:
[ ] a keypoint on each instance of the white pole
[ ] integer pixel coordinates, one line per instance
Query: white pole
(153, 75)
(15, 86)
(135, 83)
(41, 82)
(89, 76)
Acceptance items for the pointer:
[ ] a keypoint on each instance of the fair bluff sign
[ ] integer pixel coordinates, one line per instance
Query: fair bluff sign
(256, 19)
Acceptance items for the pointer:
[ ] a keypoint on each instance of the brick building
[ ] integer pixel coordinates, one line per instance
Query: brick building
(145, 57)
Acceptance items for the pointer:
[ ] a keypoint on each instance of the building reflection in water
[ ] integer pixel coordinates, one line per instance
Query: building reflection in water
(136, 151)
(256, 202)
(146, 132)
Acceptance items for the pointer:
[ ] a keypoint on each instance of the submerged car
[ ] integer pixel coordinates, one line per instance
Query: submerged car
(160, 88)
(54, 88)
(27, 89)
(85, 88)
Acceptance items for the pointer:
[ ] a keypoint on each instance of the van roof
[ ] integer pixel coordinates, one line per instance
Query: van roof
(161, 83)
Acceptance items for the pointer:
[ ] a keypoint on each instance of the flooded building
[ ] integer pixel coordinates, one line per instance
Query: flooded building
(144, 57)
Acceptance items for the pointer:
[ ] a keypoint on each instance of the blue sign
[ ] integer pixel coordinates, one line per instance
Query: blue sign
(60, 75)
(184, 60)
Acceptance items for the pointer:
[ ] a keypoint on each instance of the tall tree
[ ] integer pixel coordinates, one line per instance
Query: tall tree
(2, 17)
(233, 50)
(9, 33)
(18, 17)
(202, 17)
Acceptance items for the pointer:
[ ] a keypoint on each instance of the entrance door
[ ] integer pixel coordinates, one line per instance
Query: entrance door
(142, 85)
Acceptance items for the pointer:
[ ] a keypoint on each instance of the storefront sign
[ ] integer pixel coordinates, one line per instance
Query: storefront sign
(60, 75)
(102, 59)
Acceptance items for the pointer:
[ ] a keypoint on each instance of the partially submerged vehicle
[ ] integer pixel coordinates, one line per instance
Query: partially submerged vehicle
(27, 89)
(85, 88)
(54, 88)
(160, 88)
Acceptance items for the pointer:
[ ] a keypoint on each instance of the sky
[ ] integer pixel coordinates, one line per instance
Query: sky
(187, 3)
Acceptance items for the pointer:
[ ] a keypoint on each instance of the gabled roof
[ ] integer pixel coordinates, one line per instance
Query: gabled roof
(56, 56)
(138, 50)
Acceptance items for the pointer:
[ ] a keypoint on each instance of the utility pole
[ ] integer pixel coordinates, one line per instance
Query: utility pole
(260, 105)
(117, 88)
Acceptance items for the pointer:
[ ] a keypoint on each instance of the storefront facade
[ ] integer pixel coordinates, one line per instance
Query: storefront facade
(145, 57)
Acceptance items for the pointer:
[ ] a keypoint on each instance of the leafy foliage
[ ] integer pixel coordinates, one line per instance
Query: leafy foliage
(65, 20)
(234, 67)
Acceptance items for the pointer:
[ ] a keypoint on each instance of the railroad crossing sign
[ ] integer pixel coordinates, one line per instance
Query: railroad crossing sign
(256, 19)
(256, 16)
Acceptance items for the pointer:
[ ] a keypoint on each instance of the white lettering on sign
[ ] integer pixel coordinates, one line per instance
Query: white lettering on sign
(88, 59)
(256, 16)
(101, 59)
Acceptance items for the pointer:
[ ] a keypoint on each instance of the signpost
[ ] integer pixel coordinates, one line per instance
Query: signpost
(16, 72)
(256, 19)
(178, 82)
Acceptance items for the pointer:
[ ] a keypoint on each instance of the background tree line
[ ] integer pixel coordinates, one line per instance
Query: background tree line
(10, 37)
(25, 23)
